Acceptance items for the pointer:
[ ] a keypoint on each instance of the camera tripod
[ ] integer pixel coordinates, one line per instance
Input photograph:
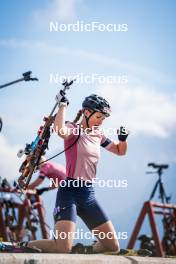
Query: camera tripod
(159, 184)
(26, 77)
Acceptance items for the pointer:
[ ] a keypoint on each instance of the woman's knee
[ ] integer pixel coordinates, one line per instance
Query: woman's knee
(109, 241)
(113, 246)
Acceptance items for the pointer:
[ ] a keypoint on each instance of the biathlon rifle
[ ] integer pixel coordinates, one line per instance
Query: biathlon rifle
(37, 148)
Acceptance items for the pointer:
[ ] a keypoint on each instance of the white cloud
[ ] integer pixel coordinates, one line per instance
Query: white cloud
(59, 10)
(143, 110)
(141, 105)
(9, 162)
(138, 73)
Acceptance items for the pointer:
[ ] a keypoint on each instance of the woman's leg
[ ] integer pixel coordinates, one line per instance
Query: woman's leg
(97, 221)
(63, 242)
(107, 238)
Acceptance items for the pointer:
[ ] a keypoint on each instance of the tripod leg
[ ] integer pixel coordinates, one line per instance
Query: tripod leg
(163, 195)
(154, 190)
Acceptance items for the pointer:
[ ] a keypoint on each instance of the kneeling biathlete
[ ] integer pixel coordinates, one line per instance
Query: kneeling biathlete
(81, 163)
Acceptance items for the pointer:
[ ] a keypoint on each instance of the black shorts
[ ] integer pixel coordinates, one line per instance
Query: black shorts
(72, 201)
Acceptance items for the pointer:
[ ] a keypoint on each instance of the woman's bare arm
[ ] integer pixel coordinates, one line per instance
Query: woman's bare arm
(118, 148)
(59, 124)
(37, 182)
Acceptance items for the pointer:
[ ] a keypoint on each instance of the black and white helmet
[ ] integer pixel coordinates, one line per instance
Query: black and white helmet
(97, 103)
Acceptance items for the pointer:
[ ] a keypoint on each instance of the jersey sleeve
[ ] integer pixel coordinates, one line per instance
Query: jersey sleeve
(43, 171)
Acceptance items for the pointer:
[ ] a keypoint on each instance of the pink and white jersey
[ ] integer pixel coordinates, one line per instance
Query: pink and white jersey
(83, 156)
(52, 170)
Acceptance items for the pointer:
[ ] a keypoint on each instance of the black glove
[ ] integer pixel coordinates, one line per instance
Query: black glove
(42, 190)
(61, 99)
(122, 133)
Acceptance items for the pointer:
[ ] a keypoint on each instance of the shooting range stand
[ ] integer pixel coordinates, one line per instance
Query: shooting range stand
(23, 212)
(151, 208)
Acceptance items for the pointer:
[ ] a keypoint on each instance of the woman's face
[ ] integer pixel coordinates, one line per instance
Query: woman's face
(96, 119)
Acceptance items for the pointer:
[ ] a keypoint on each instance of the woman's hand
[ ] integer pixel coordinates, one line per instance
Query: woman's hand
(61, 99)
(122, 133)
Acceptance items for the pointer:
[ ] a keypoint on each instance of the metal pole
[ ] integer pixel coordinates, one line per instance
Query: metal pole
(26, 77)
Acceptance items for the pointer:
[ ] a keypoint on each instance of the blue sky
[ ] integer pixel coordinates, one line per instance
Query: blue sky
(146, 104)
